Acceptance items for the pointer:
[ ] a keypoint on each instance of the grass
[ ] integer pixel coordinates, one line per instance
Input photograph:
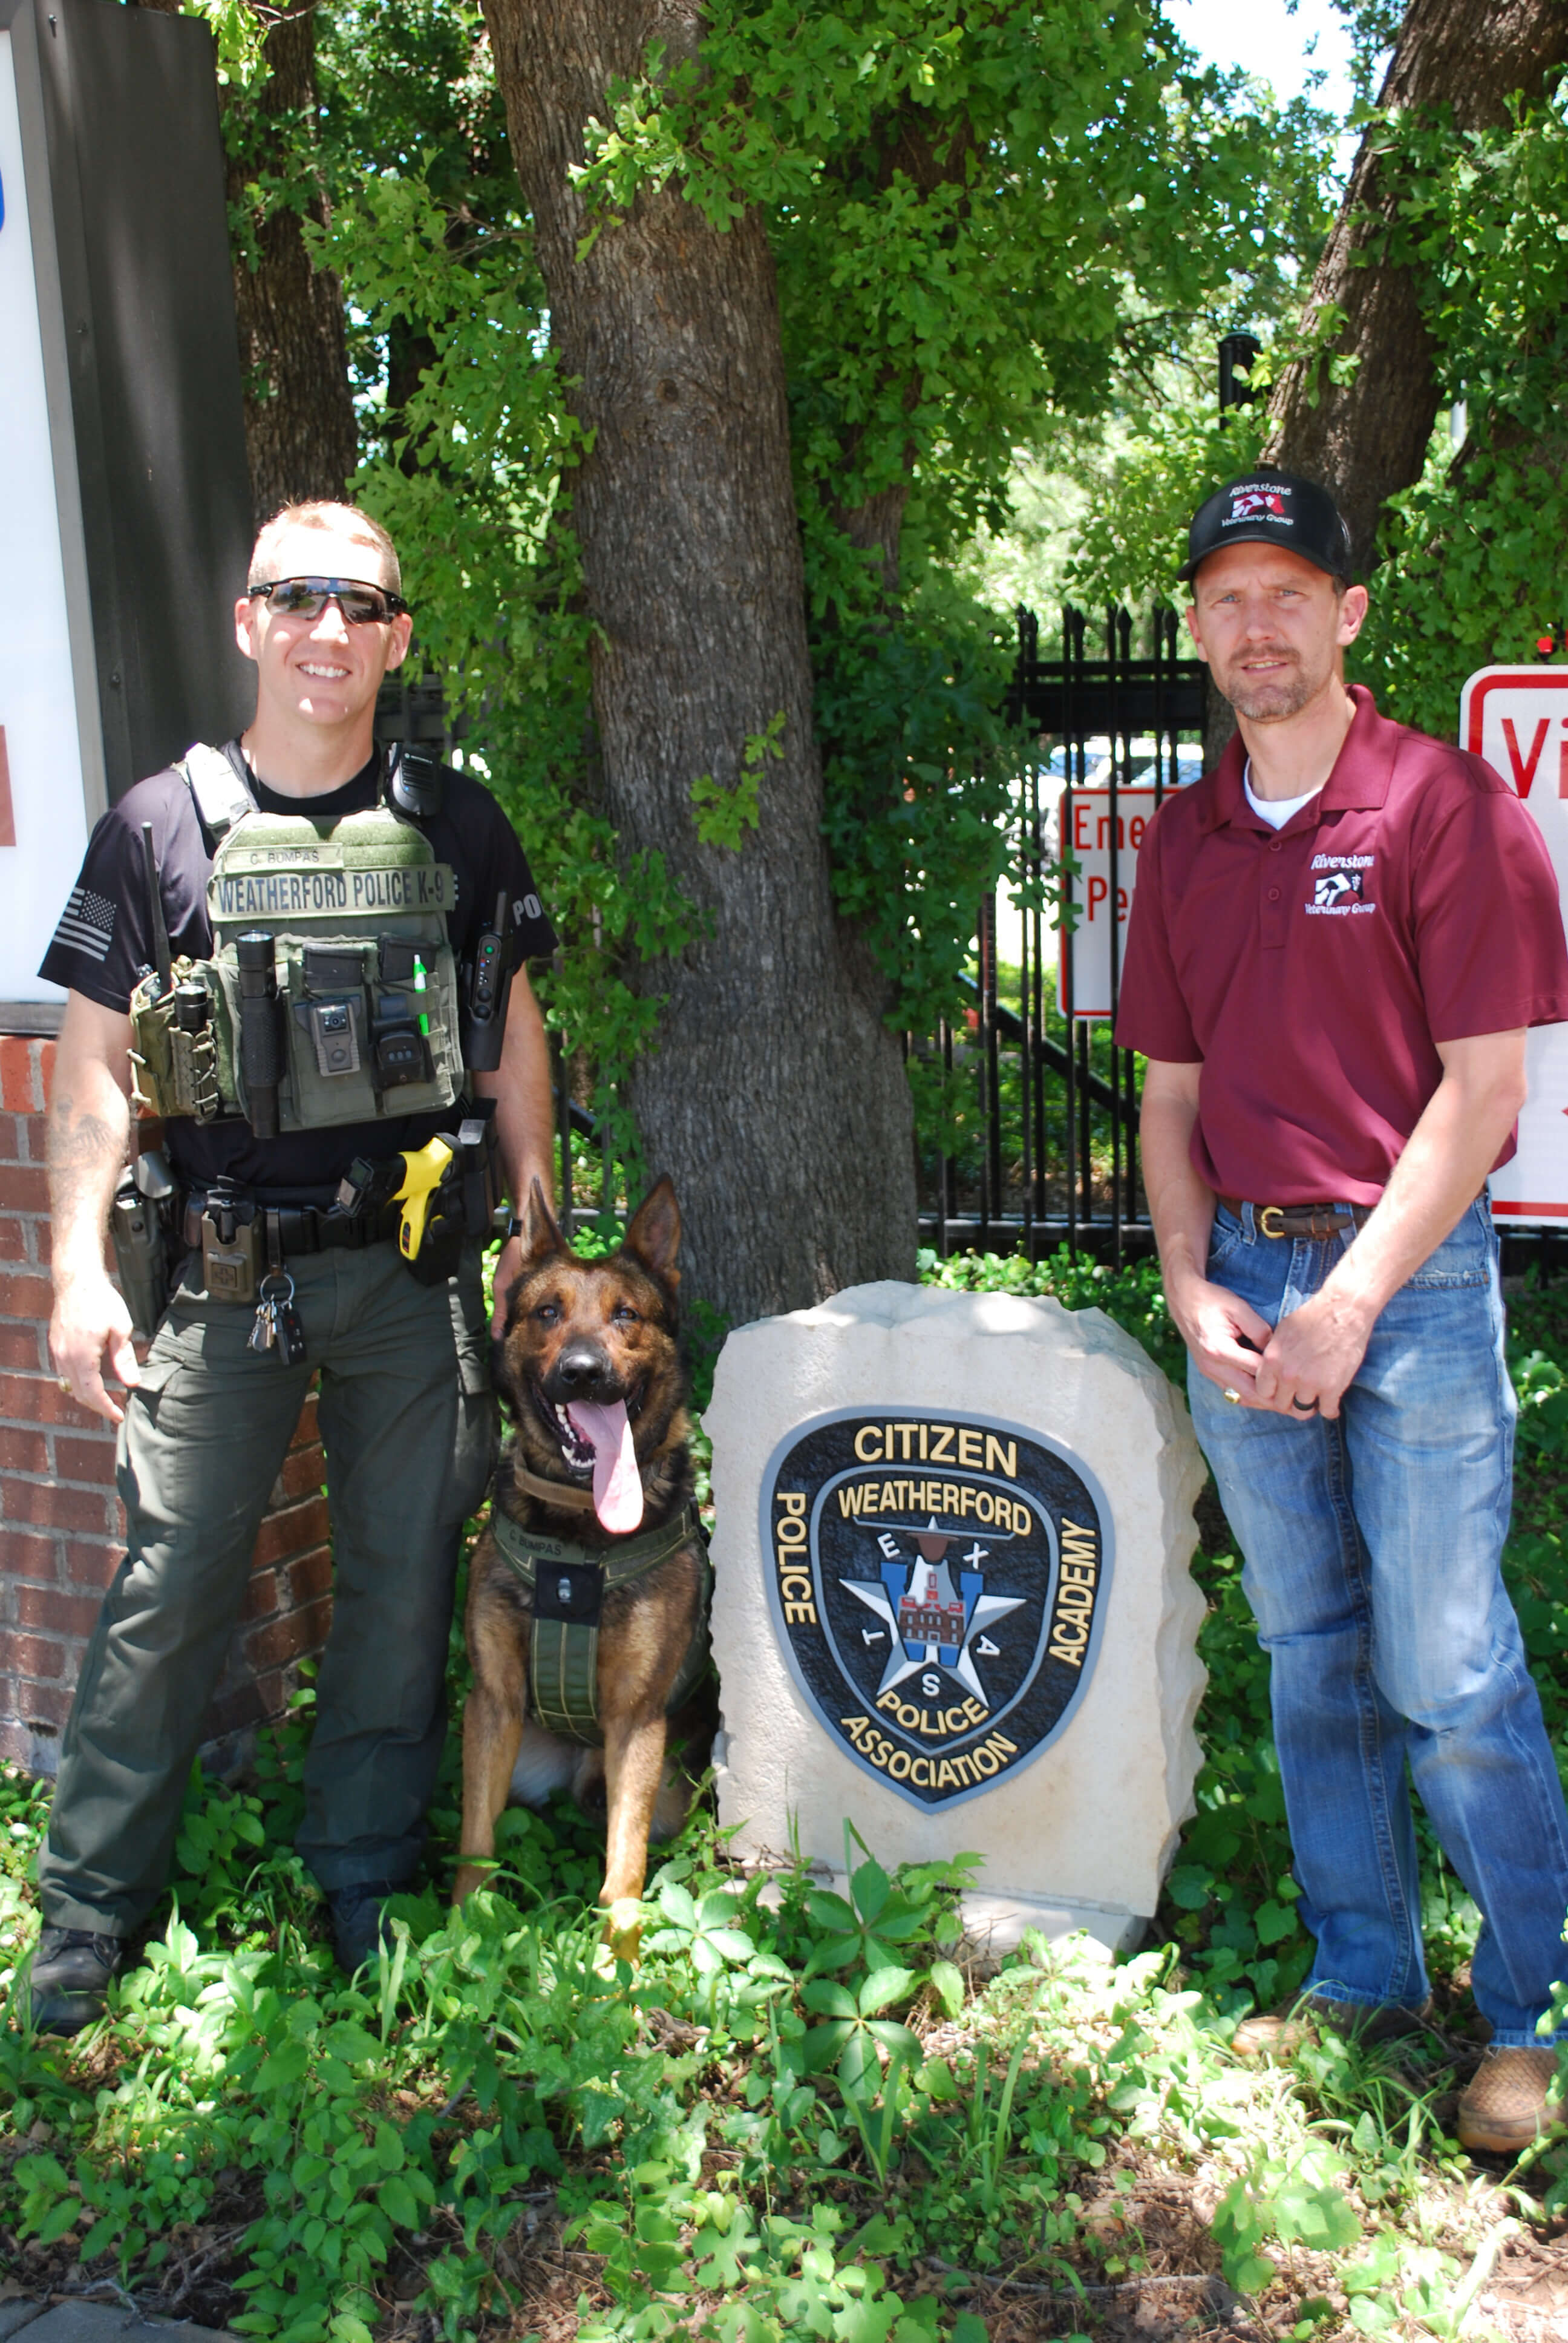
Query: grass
(811, 2115)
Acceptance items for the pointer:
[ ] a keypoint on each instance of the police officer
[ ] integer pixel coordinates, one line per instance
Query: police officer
(299, 1095)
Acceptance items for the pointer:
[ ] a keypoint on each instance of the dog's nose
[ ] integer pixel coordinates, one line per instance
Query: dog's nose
(579, 1367)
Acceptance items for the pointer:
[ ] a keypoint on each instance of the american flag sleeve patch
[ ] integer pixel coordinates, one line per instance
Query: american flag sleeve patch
(86, 924)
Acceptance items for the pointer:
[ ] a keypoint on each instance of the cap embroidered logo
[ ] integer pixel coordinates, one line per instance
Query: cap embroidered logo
(1269, 508)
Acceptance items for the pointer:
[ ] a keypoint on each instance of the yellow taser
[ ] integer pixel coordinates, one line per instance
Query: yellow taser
(427, 1168)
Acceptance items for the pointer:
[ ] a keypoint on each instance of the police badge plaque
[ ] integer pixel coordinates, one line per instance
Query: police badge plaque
(937, 1584)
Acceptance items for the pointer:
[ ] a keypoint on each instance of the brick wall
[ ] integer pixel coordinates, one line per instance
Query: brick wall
(61, 1528)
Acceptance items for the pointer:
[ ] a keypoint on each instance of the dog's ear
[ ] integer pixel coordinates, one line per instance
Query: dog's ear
(653, 1234)
(541, 1235)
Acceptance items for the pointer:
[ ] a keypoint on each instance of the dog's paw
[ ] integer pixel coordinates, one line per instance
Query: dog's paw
(622, 1939)
(469, 1877)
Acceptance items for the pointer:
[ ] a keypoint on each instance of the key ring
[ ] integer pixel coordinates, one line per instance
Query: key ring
(276, 1300)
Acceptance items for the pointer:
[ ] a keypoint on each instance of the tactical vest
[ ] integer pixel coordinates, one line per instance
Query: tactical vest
(360, 1014)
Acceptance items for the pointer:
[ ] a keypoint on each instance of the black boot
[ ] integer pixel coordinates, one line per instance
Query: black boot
(71, 1972)
(358, 1927)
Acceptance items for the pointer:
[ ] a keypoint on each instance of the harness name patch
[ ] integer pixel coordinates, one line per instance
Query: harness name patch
(408, 886)
(937, 1585)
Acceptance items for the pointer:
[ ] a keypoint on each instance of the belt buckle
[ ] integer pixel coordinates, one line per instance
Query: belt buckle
(1263, 1215)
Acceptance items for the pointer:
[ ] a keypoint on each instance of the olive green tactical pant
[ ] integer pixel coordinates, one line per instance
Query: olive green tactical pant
(409, 1423)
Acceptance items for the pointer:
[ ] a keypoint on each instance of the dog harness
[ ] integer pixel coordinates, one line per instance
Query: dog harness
(567, 1585)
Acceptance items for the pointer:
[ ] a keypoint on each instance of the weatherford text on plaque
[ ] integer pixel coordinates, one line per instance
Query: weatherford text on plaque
(937, 1582)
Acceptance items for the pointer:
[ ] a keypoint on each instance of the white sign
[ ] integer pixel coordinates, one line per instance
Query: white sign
(1084, 830)
(43, 817)
(1517, 718)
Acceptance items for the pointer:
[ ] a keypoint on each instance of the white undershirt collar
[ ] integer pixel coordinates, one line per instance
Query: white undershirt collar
(1275, 811)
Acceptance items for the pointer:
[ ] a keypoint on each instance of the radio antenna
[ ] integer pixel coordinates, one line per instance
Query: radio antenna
(156, 908)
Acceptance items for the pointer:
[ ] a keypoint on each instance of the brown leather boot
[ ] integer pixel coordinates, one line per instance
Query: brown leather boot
(1506, 2110)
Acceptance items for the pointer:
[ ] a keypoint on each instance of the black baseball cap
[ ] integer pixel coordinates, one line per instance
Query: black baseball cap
(1268, 507)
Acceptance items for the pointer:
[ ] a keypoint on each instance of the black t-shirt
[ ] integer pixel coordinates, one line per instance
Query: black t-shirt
(104, 945)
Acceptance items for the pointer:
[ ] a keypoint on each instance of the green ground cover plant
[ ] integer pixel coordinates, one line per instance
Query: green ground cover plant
(805, 2113)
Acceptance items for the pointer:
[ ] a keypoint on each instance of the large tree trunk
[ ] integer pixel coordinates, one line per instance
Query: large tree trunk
(930, 154)
(300, 431)
(1367, 438)
(299, 424)
(776, 1096)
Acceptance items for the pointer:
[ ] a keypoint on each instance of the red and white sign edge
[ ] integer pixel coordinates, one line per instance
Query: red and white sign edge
(1517, 718)
(1084, 953)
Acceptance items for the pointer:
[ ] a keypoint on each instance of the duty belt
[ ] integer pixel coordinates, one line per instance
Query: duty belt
(567, 1585)
(1302, 1219)
(298, 1228)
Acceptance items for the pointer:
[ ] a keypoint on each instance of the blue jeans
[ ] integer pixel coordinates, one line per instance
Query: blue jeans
(1371, 1546)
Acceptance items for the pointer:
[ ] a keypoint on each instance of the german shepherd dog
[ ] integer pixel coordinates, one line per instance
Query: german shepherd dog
(590, 1371)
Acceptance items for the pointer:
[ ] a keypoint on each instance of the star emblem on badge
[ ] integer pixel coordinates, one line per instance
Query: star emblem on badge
(928, 1625)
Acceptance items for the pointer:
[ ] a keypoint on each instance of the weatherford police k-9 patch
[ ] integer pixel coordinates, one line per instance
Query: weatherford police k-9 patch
(938, 1583)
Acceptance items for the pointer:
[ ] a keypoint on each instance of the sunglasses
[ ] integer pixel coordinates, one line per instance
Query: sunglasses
(306, 597)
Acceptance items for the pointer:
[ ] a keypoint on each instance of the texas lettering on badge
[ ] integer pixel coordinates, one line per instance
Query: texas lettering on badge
(937, 1582)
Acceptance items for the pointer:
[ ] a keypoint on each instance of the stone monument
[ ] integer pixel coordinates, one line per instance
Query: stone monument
(953, 1600)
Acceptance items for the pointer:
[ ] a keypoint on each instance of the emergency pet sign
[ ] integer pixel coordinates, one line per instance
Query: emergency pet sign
(1517, 718)
(1101, 831)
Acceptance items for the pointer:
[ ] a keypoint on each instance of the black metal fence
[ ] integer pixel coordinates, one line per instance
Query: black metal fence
(1049, 1117)
(1045, 1145)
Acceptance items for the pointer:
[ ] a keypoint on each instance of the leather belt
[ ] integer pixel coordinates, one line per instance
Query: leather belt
(1297, 1221)
(300, 1228)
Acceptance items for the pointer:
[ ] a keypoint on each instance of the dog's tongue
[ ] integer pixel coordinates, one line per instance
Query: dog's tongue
(617, 1483)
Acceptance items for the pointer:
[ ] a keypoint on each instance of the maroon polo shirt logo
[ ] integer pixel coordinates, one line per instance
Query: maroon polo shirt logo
(1338, 881)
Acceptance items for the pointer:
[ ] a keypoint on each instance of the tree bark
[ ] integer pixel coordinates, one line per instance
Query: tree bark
(1367, 438)
(300, 431)
(300, 428)
(410, 353)
(930, 154)
(776, 1097)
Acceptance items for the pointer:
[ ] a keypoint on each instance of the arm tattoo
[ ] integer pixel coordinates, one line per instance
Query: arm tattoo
(86, 1152)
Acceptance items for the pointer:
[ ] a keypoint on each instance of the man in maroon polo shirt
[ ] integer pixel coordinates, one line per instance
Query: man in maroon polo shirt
(1340, 938)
